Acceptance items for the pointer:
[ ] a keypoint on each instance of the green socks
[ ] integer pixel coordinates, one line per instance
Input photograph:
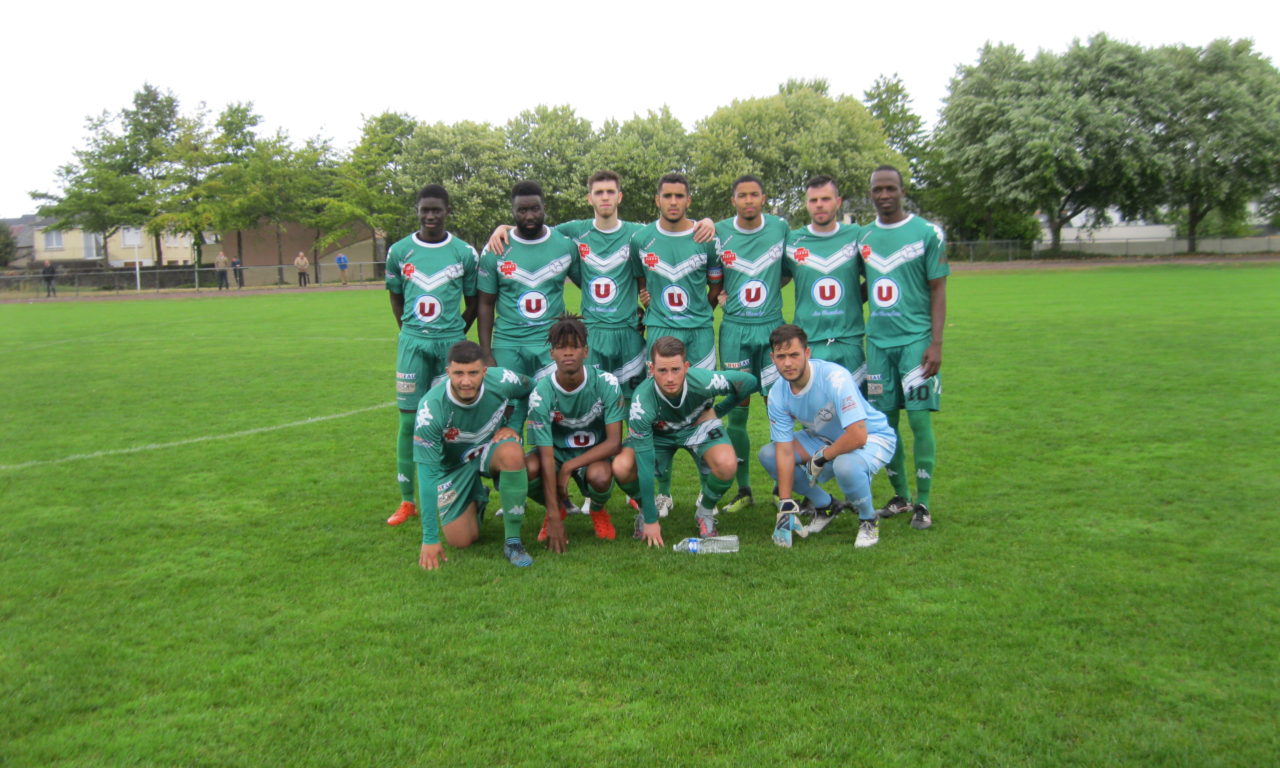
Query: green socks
(741, 445)
(405, 471)
(897, 469)
(924, 452)
(712, 489)
(513, 487)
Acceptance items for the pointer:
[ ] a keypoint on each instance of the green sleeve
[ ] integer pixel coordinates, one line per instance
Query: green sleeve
(470, 264)
(428, 452)
(640, 427)
(487, 272)
(740, 384)
(935, 255)
(395, 281)
(538, 423)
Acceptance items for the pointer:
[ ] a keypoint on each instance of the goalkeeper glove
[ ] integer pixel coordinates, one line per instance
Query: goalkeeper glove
(814, 466)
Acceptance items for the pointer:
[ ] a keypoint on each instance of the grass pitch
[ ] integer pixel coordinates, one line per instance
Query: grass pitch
(195, 569)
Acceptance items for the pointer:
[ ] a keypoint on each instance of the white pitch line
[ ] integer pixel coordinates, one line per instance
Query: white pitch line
(190, 441)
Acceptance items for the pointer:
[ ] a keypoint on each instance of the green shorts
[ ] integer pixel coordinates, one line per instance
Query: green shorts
(697, 441)
(461, 486)
(699, 344)
(745, 347)
(846, 353)
(564, 454)
(619, 351)
(533, 360)
(893, 379)
(420, 365)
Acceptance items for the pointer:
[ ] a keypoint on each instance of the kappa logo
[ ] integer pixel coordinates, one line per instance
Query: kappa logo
(728, 257)
(651, 260)
(753, 294)
(584, 250)
(602, 290)
(675, 298)
(609, 377)
(535, 399)
(719, 383)
(507, 268)
(532, 304)
(428, 308)
(801, 254)
(582, 439)
(827, 292)
(637, 410)
(510, 377)
(885, 293)
(424, 416)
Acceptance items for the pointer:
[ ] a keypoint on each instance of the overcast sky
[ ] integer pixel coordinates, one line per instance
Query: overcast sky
(318, 69)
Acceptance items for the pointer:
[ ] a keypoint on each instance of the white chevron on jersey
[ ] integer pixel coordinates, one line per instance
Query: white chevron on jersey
(610, 262)
(484, 433)
(755, 267)
(674, 272)
(886, 264)
(431, 282)
(596, 411)
(535, 278)
(827, 264)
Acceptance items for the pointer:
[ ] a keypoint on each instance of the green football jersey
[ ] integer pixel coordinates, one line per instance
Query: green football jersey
(528, 280)
(653, 415)
(447, 433)
(825, 269)
(752, 263)
(676, 272)
(434, 278)
(899, 260)
(606, 271)
(574, 420)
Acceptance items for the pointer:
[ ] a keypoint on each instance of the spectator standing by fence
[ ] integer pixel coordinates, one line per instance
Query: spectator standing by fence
(220, 264)
(237, 267)
(303, 264)
(50, 274)
(343, 263)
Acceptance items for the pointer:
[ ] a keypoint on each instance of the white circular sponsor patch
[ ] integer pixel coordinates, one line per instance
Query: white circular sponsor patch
(827, 292)
(675, 298)
(532, 304)
(602, 290)
(884, 292)
(427, 308)
(753, 294)
(582, 440)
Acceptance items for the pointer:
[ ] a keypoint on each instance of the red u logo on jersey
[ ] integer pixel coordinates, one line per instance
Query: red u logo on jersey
(885, 292)
(603, 290)
(533, 305)
(582, 439)
(675, 298)
(427, 308)
(752, 294)
(827, 291)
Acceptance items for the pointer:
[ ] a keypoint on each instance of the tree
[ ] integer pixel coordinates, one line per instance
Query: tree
(183, 198)
(8, 245)
(1218, 133)
(785, 139)
(234, 142)
(550, 145)
(887, 100)
(640, 151)
(368, 185)
(273, 188)
(473, 162)
(1062, 134)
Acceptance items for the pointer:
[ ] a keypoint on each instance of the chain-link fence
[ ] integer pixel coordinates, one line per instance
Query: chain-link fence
(1014, 250)
(76, 282)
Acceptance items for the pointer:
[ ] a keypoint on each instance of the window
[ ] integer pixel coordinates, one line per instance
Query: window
(130, 237)
(52, 240)
(92, 245)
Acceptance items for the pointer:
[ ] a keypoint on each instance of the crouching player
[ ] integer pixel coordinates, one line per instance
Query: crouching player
(842, 436)
(675, 409)
(463, 430)
(575, 422)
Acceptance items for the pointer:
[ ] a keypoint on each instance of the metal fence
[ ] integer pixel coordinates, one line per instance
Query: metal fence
(1013, 250)
(182, 278)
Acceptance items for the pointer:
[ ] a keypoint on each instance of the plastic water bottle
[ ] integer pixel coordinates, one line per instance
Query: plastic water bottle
(717, 544)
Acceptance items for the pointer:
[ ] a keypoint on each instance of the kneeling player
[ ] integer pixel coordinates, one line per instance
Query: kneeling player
(674, 409)
(575, 422)
(842, 436)
(463, 431)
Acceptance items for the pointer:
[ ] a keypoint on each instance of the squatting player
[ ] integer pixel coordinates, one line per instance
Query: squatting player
(465, 429)
(679, 280)
(905, 263)
(842, 436)
(822, 259)
(750, 247)
(575, 424)
(429, 273)
(526, 290)
(676, 409)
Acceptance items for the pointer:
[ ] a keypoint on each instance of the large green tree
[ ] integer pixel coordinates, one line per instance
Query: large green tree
(640, 151)
(1218, 130)
(888, 101)
(473, 162)
(785, 139)
(550, 145)
(368, 186)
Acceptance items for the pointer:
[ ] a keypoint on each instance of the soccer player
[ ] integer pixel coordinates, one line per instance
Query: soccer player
(842, 436)
(676, 272)
(676, 409)
(526, 290)
(429, 274)
(575, 424)
(464, 429)
(822, 259)
(750, 247)
(905, 263)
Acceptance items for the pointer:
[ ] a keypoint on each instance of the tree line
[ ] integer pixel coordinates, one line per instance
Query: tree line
(1173, 133)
